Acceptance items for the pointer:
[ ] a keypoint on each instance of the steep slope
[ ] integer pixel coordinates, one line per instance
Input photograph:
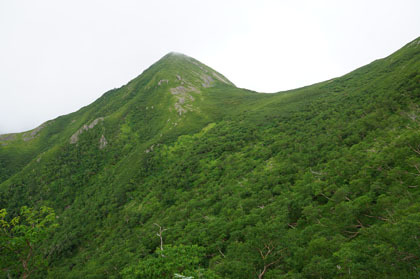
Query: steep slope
(170, 89)
(107, 140)
(320, 181)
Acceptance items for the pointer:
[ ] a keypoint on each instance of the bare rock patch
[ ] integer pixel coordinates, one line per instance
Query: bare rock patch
(75, 137)
(103, 142)
(7, 137)
(32, 134)
(207, 80)
(220, 78)
(162, 81)
(182, 98)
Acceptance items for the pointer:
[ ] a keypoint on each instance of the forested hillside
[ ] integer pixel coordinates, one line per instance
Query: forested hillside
(180, 173)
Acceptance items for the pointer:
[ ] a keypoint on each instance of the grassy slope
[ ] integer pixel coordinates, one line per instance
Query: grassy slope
(320, 164)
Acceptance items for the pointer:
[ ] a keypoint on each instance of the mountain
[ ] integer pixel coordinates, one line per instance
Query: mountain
(179, 171)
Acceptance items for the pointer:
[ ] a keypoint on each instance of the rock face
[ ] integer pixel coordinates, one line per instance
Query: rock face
(26, 136)
(182, 95)
(75, 137)
(207, 81)
(103, 142)
(7, 137)
(32, 134)
(188, 79)
(162, 81)
(222, 79)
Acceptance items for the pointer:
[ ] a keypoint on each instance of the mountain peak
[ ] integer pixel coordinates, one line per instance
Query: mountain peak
(176, 65)
(185, 78)
(174, 53)
(182, 77)
(165, 152)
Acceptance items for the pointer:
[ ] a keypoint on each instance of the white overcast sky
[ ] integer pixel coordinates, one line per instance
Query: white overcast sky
(57, 56)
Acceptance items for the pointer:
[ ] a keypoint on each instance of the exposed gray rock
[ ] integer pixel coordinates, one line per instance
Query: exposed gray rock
(220, 78)
(415, 43)
(95, 122)
(25, 136)
(180, 90)
(208, 80)
(150, 149)
(103, 142)
(200, 66)
(32, 134)
(7, 137)
(75, 137)
(182, 96)
(162, 81)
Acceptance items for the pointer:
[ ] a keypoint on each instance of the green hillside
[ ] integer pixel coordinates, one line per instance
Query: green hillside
(180, 173)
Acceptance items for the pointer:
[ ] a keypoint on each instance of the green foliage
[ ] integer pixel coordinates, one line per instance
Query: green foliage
(21, 240)
(171, 262)
(317, 182)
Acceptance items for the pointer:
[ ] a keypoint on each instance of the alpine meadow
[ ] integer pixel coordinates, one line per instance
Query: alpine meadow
(180, 174)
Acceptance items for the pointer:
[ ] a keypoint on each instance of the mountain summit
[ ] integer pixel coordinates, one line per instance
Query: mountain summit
(181, 174)
(180, 68)
(185, 78)
(174, 95)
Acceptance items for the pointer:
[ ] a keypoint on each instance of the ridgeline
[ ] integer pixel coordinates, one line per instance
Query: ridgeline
(181, 173)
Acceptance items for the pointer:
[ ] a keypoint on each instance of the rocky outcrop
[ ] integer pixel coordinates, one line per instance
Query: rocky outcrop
(207, 81)
(32, 134)
(182, 96)
(219, 77)
(162, 81)
(103, 142)
(75, 137)
(7, 137)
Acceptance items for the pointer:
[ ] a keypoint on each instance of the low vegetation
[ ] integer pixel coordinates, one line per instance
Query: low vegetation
(317, 182)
